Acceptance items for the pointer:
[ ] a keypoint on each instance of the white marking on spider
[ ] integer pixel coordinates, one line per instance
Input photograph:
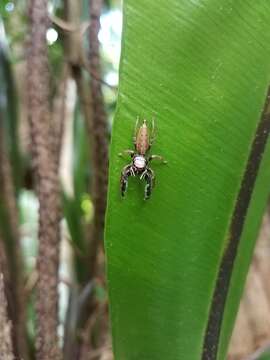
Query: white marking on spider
(139, 162)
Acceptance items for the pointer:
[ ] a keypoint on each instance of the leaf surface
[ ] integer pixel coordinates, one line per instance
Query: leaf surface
(202, 69)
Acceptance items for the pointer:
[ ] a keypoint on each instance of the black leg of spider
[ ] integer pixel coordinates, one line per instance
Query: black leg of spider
(149, 177)
(127, 171)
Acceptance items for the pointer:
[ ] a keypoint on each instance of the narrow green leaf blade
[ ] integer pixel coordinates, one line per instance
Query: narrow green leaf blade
(202, 69)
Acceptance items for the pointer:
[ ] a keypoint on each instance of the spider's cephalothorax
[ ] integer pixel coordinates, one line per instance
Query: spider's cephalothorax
(143, 139)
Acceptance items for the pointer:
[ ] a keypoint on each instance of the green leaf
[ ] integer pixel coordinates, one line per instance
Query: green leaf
(177, 262)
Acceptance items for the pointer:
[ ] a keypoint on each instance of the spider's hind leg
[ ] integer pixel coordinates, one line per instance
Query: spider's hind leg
(126, 172)
(149, 177)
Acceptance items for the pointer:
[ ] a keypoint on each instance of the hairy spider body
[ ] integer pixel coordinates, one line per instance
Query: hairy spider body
(143, 139)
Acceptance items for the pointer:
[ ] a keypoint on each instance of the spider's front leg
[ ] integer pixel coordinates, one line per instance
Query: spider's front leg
(149, 177)
(153, 134)
(128, 152)
(136, 131)
(126, 172)
(158, 157)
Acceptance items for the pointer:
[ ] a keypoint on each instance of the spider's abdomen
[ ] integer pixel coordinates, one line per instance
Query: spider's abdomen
(142, 139)
(139, 162)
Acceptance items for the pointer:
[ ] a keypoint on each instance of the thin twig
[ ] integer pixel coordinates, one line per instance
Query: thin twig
(47, 185)
(95, 76)
(74, 41)
(67, 26)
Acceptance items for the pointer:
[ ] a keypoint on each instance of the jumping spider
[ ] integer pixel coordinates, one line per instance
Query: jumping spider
(143, 140)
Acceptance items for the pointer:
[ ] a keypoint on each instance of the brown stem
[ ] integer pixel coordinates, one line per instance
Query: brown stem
(9, 297)
(93, 74)
(97, 128)
(12, 250)
(6, 349)
(47, 185)
(4, 268)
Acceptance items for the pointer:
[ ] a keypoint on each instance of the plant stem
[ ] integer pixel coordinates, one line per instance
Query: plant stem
(6, 349)
(99, 132)
(47, 185)
(12, 249)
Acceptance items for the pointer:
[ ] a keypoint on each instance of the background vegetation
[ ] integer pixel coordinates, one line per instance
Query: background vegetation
(176, 264)
(57, 102)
